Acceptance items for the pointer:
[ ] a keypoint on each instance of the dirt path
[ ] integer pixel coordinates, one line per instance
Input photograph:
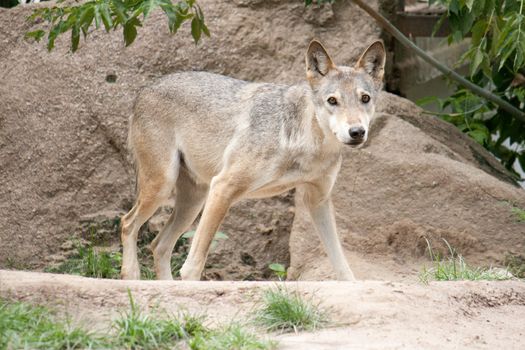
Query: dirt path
(365, 314)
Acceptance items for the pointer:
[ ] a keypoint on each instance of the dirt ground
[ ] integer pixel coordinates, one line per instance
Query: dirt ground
(363, 314)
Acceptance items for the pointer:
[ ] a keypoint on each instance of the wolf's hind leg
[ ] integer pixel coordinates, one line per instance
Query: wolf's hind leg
(224, 190)
(155, 185)
(189, 199)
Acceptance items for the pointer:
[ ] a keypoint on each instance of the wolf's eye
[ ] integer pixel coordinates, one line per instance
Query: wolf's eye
(332, 100)
(365, 98)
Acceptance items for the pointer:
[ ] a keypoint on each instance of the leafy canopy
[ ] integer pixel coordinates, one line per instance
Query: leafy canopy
(112, 14)
(496, 58)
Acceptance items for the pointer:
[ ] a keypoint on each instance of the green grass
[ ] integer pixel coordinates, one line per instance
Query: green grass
(138, 330)
(283, 310)
(519, 213)
(24, 326)
(89, 262)
(515, 265)
(233, 336)
(455, 268)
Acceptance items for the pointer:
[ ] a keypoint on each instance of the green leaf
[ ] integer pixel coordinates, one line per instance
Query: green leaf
(196, 29)
(106, 17)
(120, 11)
(189, 234)
(75, 38)
(53, 34)
(478, 58)
(277, 267)
(98, 17)
(427, 100)
(37, 35)
(148, 6)
(220, 235)
(86, 18)
(454, 7)
(205, 29)
(478, 32)
(130, 32)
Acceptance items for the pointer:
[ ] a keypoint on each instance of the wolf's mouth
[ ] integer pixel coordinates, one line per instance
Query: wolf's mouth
(354, 143)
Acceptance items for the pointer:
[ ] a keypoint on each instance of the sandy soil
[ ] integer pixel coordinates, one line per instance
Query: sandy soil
(364, 314)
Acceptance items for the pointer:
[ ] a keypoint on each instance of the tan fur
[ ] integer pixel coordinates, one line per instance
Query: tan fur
(211, 140)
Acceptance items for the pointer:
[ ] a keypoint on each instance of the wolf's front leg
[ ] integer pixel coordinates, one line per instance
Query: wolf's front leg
(321, 211)
(221, 196)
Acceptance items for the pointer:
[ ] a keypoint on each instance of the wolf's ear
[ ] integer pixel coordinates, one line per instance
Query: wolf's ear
(318, 63)
(373, 60)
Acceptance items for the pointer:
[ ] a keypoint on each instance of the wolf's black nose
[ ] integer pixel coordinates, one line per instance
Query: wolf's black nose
(357, 132)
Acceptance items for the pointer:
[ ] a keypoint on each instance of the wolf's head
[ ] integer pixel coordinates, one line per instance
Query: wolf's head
(344, 97)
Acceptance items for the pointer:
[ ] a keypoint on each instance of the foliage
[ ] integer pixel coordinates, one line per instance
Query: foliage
(519, 213)
(232, 336)
(137, 330)
(497, 63)
(24, 326)
(216, 238)
(285, 311)
(279, 270)
(455, 268)
(516, 265)
(112, 14)
(89, 262)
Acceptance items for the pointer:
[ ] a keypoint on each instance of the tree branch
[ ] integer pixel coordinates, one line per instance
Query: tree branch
(389, 27)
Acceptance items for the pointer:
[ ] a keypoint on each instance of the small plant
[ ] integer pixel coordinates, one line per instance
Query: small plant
(519, 213)
(279, 270)
(284, 311)
(515, 265)
(216, 238)
(89, 262)
(455, 268)
(233, 336)
(137, 330)
(24, 326)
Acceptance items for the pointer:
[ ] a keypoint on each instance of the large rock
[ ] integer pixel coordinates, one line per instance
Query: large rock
(63, 126)
(63, 157)
(417, 179)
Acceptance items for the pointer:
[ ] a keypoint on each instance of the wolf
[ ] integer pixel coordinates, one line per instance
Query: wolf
(209, 141)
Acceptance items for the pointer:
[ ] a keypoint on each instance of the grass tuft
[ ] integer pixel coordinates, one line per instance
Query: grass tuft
(137, 330)
(286, 311)
(515, 265)
(233, 336)
(89, 262)
(24, 326)
(519, 213)
(455, 268)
